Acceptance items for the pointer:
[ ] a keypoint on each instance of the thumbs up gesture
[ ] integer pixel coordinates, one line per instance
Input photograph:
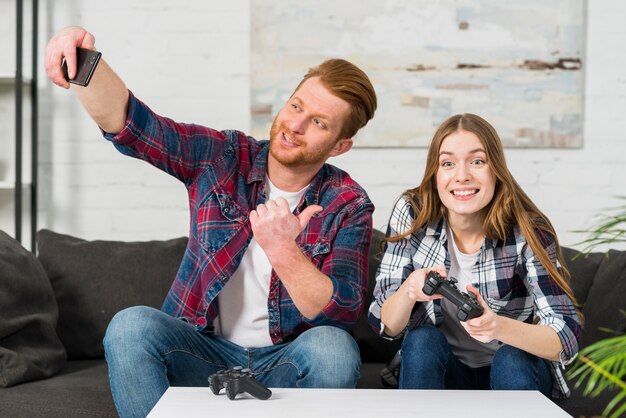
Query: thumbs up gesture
(275, 227)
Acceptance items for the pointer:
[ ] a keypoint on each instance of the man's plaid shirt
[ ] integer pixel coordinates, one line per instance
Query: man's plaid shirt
(224, 172)
(507, 274)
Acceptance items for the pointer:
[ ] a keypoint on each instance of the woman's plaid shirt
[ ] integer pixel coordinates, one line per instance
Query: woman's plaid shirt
(507, 274)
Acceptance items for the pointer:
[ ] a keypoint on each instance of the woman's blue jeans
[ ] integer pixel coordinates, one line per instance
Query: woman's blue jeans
(147, 351)
(428, 363)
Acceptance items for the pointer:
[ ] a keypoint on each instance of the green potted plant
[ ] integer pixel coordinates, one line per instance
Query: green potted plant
(610, 230)
(602, 365)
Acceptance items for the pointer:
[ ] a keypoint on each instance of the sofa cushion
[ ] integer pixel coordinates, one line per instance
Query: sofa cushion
(29, 346)
(81, 389)
(605, 305)
(93, 280)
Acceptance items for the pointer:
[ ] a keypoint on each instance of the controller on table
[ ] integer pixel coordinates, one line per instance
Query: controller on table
(468, 306)
(237, 380)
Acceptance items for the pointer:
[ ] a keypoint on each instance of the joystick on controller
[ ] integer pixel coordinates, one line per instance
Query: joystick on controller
(466, 303)
(237, 380)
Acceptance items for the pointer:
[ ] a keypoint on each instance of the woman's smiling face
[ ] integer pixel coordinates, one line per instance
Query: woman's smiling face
(465, 182)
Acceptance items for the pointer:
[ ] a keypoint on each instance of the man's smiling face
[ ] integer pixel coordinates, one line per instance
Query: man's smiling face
(306, 130)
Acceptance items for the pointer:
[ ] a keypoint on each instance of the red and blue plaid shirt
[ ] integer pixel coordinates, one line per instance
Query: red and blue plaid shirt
(224, 172)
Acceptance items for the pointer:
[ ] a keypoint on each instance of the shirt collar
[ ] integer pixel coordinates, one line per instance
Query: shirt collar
(312, 194)
(259, 166)
(437, 229)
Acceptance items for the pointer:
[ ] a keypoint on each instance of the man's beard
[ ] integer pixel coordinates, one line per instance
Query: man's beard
(301, 157)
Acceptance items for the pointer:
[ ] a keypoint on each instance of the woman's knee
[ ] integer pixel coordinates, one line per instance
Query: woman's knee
(515, 369)
(509, 357)
(424, 355)
(423, 339)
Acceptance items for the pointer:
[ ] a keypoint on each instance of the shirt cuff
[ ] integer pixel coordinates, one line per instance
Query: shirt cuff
(133, 118)
(567, 337)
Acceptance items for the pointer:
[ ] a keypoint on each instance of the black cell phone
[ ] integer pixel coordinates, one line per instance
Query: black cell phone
(86, 62)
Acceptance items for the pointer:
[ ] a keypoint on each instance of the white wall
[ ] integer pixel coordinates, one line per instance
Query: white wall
(190, 61)
(7, 117)
(187, 62)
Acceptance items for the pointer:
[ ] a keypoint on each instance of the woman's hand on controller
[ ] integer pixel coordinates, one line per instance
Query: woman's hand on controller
(485, 327)
(415, 284)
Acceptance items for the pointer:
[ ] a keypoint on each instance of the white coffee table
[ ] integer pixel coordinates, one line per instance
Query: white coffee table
(360, 403)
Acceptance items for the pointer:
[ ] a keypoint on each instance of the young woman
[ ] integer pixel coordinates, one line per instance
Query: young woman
(470, 220)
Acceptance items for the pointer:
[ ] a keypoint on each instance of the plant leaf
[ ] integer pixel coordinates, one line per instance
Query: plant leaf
(614, 403)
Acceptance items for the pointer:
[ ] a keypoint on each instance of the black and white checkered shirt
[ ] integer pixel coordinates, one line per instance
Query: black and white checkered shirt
(508, 275)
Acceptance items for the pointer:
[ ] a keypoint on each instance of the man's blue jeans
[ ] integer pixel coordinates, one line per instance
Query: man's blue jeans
(147, 351)
(428, 363)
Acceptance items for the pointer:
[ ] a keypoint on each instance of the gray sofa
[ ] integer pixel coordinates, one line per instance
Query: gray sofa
(89, 281)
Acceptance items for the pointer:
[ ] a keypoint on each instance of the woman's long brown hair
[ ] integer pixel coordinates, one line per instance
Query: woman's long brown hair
(509, 207)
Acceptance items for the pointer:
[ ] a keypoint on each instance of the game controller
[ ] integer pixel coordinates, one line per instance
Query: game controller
(237, 380)
(468, 306)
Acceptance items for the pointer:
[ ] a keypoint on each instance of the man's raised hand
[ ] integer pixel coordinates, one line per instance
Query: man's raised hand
(63, 45)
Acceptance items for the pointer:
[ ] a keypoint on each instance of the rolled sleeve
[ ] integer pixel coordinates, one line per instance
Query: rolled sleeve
(347, 268)
(554, 307)
(345, 300)
(136, 120)
(568, 338)
(395, 266)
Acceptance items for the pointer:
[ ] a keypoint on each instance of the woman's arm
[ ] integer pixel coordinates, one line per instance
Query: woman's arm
(396, 310)
(539, 340)
(398, 285)
(555, 335)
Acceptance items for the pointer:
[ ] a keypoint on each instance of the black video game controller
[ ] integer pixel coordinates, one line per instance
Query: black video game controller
(468, 305)
(237, 380)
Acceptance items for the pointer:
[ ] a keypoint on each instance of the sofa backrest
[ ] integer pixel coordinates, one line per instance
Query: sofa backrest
(599, 285)
(93, 280)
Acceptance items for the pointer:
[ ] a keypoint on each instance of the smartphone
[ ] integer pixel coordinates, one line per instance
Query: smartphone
(86, 62)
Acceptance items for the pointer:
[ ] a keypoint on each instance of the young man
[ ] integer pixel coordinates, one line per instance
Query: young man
(275, 271)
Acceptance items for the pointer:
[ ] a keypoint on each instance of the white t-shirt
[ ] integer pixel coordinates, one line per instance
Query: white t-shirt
(243, 316)
(468, 350)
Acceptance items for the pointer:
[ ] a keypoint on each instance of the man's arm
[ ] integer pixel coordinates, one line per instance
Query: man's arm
(106, 97)
(275, 228)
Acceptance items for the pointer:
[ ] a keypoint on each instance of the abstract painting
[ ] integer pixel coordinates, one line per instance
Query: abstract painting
(517, 63)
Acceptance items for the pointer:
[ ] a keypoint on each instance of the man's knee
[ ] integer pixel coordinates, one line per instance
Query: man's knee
(329, 354)
(129, 326)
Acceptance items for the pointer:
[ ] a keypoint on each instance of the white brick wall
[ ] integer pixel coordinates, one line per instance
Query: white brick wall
(190, 61)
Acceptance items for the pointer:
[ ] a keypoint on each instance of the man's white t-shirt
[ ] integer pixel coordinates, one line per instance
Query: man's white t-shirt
(243, 316)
